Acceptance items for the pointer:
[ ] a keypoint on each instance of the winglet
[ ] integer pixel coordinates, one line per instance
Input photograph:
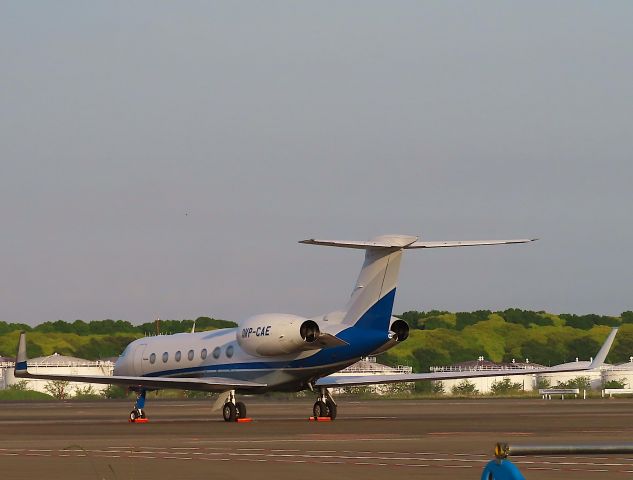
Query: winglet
(20, 360)
(604, 350)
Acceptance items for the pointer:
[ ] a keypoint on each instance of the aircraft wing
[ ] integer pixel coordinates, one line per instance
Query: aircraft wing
(206, 384)
(338, 380)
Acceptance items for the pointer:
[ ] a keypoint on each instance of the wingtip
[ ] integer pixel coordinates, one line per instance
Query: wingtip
(601, 356)
(20, 358)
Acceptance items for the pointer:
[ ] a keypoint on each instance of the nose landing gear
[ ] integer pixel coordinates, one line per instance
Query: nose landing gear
(137, 415)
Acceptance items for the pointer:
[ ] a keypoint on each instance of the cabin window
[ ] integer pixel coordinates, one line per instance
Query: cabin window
(229, 351)
(216, 352)
(190, 355)
(177, 356)
(165, 357)
(203, 353)
(152, 358)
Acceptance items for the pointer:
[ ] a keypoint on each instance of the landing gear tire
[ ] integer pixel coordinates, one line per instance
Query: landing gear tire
(241, 410)
(229, 412)
(331, 408)
(319, 409)
(136, 414)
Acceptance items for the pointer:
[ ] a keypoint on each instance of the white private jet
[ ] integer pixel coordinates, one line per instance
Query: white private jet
(282, 352)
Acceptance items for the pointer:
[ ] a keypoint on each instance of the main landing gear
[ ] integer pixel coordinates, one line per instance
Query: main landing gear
(138, 414)
(233, 410)
(325, 406)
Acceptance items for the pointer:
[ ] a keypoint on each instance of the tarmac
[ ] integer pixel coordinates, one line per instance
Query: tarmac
(370, 439)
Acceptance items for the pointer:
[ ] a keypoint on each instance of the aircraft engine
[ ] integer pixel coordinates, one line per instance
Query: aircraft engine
(277, 334)
(398, 332)
(400, 328)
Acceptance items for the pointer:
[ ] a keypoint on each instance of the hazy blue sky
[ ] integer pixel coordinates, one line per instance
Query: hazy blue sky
(163, 158)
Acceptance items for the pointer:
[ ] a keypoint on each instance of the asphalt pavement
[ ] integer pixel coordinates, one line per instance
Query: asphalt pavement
(372, 439)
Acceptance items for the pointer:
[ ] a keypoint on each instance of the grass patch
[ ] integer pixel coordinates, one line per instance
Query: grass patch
(16, 395)
(87, 397)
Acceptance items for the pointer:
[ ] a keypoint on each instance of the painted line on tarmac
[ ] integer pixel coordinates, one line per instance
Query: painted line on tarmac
(275, 457)
(309, 440)
(112, 421)
(349, 454)
(471, 432)
(360, 458)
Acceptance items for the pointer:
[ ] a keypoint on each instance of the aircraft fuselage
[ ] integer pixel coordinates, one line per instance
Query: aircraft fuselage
(217, 353)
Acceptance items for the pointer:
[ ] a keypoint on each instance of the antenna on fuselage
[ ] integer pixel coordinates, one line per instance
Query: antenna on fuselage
(157, 323)
(193, 328)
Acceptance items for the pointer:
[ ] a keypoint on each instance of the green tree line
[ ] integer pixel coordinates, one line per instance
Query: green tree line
(437, 337)
(92, 340)
(442, 338)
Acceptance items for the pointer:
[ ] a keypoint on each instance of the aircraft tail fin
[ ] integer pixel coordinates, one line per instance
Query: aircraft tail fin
(371, 303)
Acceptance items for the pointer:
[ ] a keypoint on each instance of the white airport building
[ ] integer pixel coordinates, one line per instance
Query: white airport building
(532, 378)
(369, 366)
(622, 372)
(57, 364)
(528, 380)
(596, 377)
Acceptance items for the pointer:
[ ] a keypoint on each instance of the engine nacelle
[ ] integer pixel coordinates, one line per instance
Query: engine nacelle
(400, 328)
(398, 332)
(277, 334)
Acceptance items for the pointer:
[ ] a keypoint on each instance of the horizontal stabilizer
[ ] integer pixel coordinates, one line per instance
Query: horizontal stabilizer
(467, 243)
(384, 241)
(408, 242)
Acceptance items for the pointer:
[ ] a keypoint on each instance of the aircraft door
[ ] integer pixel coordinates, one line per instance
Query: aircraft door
(141, 359)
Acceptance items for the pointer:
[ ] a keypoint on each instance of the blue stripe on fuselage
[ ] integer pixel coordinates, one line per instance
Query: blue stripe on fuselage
(361, 340)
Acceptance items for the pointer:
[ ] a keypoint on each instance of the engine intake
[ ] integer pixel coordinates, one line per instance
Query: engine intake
(309, 331)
